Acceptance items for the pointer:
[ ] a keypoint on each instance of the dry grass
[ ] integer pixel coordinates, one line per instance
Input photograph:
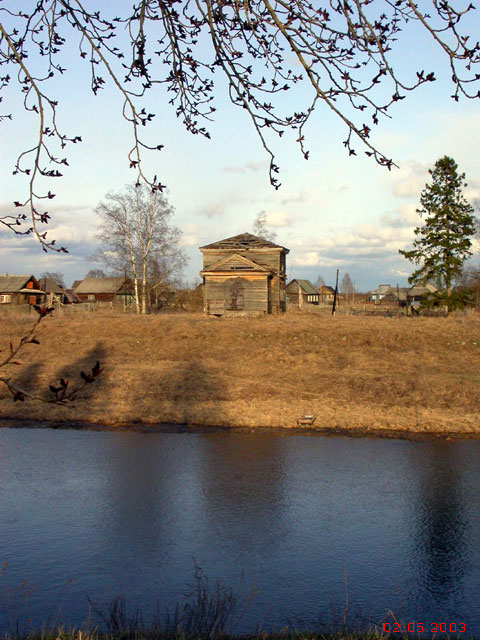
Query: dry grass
(418, 374)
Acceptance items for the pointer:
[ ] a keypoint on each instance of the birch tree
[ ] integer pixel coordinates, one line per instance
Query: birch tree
(136, 235)
(260, 227)
(347, 286)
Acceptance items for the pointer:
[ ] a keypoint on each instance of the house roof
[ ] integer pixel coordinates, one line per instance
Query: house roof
(10, 283)
(382, 289)
(76, 283)
(392, 291)
(420, 290)
(325, 288)
(49, 284)
(100, 285)
(237, 264)
(244, 241)
(306, 286)
(72, 296)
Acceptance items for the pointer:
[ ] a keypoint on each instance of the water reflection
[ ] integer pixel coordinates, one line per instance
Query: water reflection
(242, 482)
(311, 521)
(441, 528)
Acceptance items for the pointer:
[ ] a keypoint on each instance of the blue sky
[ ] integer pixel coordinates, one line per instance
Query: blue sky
(331, 211)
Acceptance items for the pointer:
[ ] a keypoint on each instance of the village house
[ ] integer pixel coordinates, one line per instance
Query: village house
(56, 294)
(395, 295)
(327, 294)
(20, 289)
(114, 290)
(403, 296)
(418, 293)
(302, 292)
(379, 293)
(243, 275)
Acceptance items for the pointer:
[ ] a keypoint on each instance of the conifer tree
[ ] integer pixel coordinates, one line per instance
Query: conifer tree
(443, 242)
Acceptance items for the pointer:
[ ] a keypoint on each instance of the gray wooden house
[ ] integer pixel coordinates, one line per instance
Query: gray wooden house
(56, 293)
(20, 289)
(117, 290)
(302, 292)
(243, 275)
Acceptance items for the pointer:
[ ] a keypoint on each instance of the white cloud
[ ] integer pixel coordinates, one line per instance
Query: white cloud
(68, 234)
(365, 243)
(189, 240)
(212, 210)
(400, 272)
(412, 185)
(300, 197)
(247, 167)
(314, 259)
(309, 259)
(190, 235)
(278, 219)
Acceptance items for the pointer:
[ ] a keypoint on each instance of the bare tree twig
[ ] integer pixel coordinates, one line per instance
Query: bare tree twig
(342, 50)
(60, 395)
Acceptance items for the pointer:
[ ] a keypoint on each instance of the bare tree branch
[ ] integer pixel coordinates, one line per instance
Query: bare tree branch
(60, 395)
(342, 49)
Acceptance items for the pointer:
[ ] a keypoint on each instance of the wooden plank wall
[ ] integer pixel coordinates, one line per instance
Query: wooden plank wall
(252, 294)
(275, 261)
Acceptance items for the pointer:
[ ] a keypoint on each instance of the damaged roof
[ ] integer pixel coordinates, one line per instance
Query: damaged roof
(244, 241)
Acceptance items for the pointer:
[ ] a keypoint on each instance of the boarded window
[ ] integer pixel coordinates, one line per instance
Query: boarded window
(234, 294)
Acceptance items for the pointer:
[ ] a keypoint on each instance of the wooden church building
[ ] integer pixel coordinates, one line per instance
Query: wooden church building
(243, 275)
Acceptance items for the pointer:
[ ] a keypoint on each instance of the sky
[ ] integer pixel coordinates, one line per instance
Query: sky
(332, 211)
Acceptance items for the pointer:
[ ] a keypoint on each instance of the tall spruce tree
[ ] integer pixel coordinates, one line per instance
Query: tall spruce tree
(443, 242)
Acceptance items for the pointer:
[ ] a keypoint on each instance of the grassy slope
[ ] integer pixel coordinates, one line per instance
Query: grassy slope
(351, 372)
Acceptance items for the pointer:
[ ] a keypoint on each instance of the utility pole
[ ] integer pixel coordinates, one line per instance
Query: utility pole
(335, 296)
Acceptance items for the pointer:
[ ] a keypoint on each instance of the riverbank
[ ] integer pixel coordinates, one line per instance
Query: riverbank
(354, 374)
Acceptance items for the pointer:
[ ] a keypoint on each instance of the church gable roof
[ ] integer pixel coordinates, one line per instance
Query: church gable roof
(237, 264)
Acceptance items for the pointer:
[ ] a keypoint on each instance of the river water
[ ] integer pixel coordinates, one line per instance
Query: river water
(310, 529)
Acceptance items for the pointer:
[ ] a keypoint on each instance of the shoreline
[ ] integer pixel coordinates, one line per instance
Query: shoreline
(168, 427)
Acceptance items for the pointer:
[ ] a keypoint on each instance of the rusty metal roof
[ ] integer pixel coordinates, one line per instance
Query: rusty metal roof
(244, 241)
